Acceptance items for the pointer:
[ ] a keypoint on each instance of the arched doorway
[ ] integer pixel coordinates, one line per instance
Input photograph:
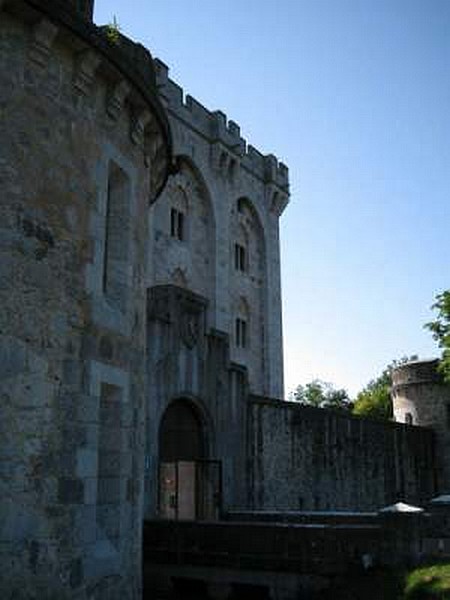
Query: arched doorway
(189, 483)
(181, 433)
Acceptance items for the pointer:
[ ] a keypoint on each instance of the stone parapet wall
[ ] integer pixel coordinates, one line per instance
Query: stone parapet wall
(302, 458)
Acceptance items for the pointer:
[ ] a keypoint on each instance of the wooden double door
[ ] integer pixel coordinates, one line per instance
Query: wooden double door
(190, 490)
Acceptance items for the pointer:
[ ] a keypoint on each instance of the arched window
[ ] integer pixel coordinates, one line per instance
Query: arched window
(183, 236)
(409, 419)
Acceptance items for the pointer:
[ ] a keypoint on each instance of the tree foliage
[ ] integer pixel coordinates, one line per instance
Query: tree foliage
(322, 394)
(375, 399)
(440, 328)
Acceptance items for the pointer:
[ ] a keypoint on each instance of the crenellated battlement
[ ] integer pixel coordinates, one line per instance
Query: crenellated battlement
(215, 126)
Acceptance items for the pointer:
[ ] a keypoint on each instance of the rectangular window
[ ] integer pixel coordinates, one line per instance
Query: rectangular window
(117, 236)
(177, 224)
(239, 257)
(109, 459)
(241, 333)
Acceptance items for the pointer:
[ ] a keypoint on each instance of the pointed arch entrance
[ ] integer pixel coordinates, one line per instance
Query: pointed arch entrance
(189, 482)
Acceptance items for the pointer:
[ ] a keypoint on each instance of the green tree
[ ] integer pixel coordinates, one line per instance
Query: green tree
(375, 399)
(321, 394)
(440, 328)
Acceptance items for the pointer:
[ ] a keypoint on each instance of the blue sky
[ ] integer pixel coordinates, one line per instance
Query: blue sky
(354, 96)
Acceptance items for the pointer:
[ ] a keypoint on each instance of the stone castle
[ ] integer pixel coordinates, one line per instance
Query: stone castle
(140, 325)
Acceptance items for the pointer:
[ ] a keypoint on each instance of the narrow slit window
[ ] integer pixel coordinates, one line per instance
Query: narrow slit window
(240, 258)
(180, 226)
(173, 222)
(117, 235)
(177, 224)
(241, 333)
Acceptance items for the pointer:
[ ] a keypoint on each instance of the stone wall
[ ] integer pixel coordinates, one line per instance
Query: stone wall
(76, 174)
(302, 458)
(296, 555)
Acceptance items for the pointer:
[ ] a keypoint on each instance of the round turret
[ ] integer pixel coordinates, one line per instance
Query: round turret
(85, 147)
(414, 388)
(421, 397)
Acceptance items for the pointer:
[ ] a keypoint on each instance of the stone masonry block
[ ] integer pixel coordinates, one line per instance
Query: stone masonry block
(90, 490)
(64, 462)
(84, 524)
(110, 439)
(108, 517)
(110, 414)
(72, 372)
(126, 462)
(108, 491)
(87, 409)
(92, 436)
(73, 437)
(20, 522)
(76, 575)
(86, 462)
(109, 464)
(70, 491)
(127, 415)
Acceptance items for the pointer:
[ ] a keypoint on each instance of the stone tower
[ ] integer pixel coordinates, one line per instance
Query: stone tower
(85, 147)
(421, 397)
(214, 312)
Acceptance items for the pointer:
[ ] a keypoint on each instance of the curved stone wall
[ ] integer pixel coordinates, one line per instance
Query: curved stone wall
(420, 397)
(84, 148)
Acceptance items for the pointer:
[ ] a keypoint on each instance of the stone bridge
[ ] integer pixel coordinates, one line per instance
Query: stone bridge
(284, 558)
